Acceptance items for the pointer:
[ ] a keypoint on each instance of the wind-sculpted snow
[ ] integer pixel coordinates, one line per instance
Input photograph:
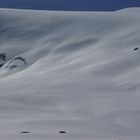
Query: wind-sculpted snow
(69, 75)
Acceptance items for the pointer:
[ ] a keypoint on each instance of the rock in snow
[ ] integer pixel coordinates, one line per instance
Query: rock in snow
(73, 71)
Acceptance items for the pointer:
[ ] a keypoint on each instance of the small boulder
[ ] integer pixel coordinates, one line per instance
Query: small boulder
(3, 56)
(62, 132)
(25, 132)
(135, 49)
(1, 65)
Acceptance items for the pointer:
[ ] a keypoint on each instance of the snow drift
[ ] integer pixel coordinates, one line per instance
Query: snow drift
(73, 72)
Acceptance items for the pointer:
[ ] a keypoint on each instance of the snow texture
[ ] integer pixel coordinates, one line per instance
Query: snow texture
(69, 75)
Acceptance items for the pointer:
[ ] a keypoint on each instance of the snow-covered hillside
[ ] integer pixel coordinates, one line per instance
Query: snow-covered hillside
(77, 72)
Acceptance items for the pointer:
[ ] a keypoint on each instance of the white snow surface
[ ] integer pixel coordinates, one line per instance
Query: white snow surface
(81, 75)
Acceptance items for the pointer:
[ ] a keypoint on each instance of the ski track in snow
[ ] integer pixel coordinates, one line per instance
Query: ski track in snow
(71, 72)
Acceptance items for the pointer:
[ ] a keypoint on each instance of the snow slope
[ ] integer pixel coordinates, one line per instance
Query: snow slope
(70, 71)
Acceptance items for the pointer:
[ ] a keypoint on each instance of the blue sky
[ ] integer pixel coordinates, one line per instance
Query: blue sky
(90, 5)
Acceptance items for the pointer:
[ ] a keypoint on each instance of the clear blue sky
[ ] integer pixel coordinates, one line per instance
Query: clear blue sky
(92, 5)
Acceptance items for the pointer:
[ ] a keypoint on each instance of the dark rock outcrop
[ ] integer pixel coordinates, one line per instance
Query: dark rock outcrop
(20, 58)
(135, 49)
(25, 132)
(3, 56)
(1, 65)
(62, 132)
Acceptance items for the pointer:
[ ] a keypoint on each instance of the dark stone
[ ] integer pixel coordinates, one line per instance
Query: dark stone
(1, 65)
(20, 58)
(3, 56)
(135, 49)
(62, 132)
(25, 132)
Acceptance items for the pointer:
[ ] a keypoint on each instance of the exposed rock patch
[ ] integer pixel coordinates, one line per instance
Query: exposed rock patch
(62, 132)
(135, 49)
(20, 58)
(16, 63)
(3, 56)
